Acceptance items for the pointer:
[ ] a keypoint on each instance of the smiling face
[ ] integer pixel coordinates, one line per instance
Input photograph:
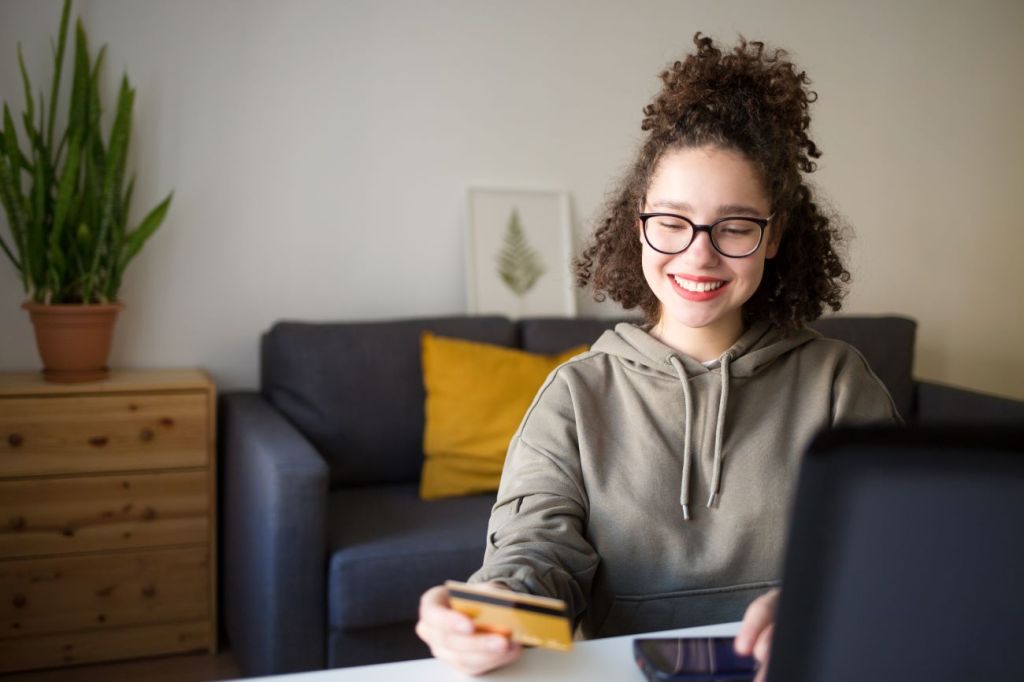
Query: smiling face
(701, 291)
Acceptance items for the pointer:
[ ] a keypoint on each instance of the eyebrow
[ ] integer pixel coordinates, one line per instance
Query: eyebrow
(724, 209)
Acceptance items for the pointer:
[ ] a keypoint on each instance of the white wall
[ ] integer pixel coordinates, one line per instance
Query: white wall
(287, 129)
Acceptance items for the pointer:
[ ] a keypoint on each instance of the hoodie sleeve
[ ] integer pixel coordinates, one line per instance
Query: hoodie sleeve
(858, 395)
(535, 536)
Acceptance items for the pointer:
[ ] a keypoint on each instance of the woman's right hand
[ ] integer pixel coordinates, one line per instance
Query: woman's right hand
(755, 635)
(453, 638)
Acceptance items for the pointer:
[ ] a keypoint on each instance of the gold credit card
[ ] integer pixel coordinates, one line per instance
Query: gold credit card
(526, 618)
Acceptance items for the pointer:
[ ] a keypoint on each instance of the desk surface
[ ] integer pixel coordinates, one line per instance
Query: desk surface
(599, 659)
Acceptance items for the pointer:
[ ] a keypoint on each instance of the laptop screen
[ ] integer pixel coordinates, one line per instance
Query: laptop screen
(905, 559)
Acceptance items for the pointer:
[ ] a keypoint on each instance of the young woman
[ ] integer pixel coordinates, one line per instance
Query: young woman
(649, 483)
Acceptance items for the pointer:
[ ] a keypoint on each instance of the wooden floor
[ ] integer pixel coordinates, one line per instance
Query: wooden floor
(184, 668)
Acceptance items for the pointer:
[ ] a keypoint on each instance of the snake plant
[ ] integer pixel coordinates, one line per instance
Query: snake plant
(64, 196)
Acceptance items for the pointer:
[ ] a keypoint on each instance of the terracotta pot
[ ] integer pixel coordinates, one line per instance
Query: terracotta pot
(73, 339)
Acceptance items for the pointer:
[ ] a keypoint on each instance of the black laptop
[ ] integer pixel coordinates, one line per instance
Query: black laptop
(905, 559)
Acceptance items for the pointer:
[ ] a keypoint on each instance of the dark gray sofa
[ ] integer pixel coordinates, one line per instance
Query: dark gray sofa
(326, 544)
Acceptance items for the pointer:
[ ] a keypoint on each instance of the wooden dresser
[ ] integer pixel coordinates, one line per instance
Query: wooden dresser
(107, 518)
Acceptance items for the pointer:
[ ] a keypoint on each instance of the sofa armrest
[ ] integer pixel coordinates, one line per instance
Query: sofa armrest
(940, 403)
(274, 520)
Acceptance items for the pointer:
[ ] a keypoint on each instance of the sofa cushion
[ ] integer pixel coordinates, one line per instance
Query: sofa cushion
(387, 546)
(887, 343)
(355, 389)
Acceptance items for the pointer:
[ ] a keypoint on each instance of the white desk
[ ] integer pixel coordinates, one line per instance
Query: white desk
(600, 659)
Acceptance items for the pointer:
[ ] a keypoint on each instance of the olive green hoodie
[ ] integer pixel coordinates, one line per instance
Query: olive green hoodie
(651, 491)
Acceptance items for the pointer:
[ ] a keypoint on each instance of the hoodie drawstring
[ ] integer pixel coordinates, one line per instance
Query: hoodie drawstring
(723, 401)
(684, 484)
(716, 479)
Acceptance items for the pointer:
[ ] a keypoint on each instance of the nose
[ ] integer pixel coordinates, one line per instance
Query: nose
(701, 251)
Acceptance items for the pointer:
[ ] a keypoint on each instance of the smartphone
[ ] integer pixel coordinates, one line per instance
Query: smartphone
(693, 659)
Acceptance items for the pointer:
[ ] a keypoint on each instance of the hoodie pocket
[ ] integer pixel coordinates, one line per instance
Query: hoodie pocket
(687, 608)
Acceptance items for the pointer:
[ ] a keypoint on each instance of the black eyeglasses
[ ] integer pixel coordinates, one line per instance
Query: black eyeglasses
(731, 236)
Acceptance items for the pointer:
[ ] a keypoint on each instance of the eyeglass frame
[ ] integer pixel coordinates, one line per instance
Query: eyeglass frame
(760, 222)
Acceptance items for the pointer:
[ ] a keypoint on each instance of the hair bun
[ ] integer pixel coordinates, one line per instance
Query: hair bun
(751, 95)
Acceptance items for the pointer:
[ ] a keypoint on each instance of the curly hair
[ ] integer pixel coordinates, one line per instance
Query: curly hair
(755, 102)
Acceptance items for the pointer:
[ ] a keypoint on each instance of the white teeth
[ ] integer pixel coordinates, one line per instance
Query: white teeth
(698, 287)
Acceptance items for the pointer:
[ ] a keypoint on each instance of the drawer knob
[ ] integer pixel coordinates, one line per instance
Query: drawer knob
(19, 601)
(146, 435)
(148, 514)
(98, 441)
(167, 421)
(18, 523)
(15, 440)
(149, 591)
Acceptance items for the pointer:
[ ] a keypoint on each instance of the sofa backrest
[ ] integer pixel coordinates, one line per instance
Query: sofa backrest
(553, 335)
(887, 343)
(355, 389)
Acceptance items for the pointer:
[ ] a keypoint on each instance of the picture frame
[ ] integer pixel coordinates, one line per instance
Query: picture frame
(519, 253)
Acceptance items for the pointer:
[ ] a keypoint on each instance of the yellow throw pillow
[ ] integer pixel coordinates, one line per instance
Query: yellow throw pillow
(477, 394)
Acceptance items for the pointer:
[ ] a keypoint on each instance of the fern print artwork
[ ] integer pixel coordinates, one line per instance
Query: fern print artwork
(519, 264)
(518, 253)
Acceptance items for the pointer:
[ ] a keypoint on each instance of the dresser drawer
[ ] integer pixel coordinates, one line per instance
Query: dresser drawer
(41, 516)
(103, 591)
(91, 646)
(80, 434)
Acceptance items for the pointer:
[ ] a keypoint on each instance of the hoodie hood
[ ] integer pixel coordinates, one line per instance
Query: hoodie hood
(755, 350)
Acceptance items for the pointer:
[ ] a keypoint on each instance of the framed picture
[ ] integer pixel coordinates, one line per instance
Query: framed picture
(519, 253)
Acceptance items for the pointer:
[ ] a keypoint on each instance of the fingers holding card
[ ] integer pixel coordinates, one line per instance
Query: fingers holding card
(525, 618)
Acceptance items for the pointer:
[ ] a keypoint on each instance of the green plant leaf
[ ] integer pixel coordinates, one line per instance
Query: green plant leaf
(10, 191)
(57, 68)
(113, 173)
(93, 108)
(80, 82)
(121, 225)
(11, 256)
(68, 183)
(11, 208)
(137, 237)
(30, 105)
(35, 229)
(126, 204)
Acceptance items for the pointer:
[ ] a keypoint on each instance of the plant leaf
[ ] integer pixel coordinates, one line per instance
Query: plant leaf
(57, 67)
(68, 183)
(30, 105)
(93, 108)
(77, 115)
(10, 190)
(137, 237)
(12, 151)
(10, 255)
(12, 209)
(35, 239)
(113, 172)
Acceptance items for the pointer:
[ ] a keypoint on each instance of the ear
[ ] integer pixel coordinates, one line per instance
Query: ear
(774, 241)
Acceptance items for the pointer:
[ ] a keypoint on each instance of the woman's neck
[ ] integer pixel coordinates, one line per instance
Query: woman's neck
(700, 343)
